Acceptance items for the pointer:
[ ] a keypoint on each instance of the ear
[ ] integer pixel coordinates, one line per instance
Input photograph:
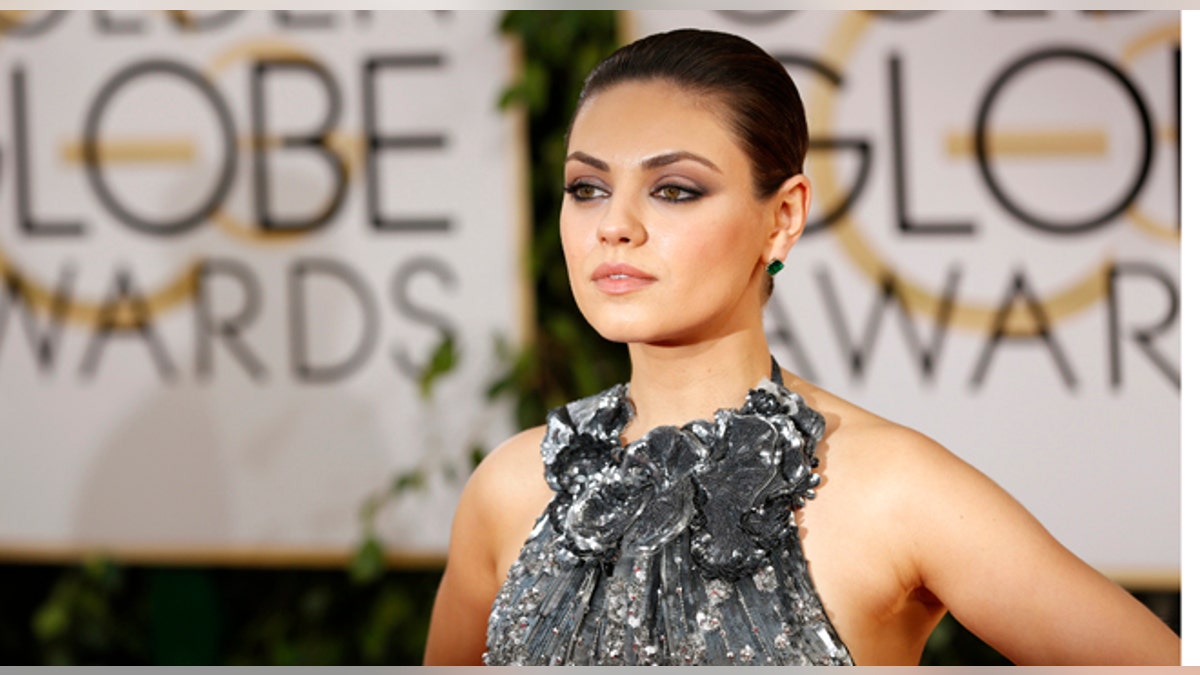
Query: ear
(791, 212)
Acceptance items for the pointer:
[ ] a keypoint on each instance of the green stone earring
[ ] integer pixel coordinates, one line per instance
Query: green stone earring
(775, 266)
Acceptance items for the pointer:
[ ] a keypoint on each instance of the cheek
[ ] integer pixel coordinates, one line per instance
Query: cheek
(573, 244)
(725, 249)
(578, 244)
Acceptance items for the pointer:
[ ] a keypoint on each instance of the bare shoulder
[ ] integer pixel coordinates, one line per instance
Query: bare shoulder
(509, 486)
(498, 505)
(899, 469)
(506, 493)
(868, 445)
(895, 474)
(513, 465)
(874, 473)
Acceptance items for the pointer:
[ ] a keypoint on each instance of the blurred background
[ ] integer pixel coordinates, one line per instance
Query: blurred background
(276, 281)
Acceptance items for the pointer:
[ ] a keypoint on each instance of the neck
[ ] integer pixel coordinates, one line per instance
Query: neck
(673, 385)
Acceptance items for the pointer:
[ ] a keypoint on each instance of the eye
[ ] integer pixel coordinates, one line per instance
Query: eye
(583, 192)
(676, 193)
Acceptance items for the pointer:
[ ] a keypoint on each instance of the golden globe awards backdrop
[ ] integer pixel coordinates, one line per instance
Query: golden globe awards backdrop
(230, 243)
(994, 253)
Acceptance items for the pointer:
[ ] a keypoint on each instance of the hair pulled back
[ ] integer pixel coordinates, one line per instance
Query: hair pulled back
(756, 95)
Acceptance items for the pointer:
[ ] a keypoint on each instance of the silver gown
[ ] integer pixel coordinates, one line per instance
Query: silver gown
(680, 548)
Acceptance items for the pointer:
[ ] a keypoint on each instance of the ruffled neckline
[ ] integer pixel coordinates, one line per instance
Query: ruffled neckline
(729, 483)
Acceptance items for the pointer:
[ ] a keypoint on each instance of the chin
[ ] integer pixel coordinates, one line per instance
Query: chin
(620, 326)
(621, 333)
(627, 329)
(631, 319)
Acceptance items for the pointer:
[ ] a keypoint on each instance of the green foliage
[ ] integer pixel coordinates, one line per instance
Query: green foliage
(442, 362)
(81, 621)
(299, 617)
(104, 613)
(368, 563)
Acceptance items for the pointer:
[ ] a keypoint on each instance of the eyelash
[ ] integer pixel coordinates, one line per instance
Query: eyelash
(686, 194)
(575, 188)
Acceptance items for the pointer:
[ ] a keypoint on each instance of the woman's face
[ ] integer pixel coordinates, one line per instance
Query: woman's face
(664, 238)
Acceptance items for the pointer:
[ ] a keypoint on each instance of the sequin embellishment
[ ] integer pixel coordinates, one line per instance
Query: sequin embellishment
(680, 548)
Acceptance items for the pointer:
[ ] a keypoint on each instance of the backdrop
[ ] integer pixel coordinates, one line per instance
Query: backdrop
(232, 242)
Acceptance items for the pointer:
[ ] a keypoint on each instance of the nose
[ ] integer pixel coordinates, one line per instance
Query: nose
(621, 224)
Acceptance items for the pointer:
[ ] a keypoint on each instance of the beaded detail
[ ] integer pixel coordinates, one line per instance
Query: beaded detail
(680, 548)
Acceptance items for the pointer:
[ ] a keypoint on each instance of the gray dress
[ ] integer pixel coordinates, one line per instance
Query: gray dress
(680, 548)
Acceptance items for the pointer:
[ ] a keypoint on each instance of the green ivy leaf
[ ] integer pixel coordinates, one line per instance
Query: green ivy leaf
(409, 480)
(477, 454)
(368, 563)
(51, 621)
(443, 361)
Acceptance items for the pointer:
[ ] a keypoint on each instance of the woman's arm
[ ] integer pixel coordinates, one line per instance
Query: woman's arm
(458, 625)
(1005, 578)
(495, 513)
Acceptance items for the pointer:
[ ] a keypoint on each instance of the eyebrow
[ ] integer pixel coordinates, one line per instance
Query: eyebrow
(679, 156)
(648, 163)
(588, 159)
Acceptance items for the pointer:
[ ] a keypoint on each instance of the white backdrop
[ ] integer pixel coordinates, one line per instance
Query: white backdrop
(252, 387)
(1056, 378)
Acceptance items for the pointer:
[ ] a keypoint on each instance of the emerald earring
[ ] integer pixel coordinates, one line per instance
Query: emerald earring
(775, 266)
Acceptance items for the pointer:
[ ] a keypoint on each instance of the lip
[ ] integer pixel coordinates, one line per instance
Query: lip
(620, 278)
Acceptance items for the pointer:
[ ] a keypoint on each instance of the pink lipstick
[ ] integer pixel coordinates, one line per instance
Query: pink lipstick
(620, 278)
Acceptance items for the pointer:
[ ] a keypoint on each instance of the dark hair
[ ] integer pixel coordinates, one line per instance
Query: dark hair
(758, 97)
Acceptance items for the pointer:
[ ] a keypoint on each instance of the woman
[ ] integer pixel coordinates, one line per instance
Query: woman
(663, 532)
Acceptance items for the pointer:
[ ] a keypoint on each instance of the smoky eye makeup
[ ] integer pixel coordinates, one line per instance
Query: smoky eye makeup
(678, 190)
(581, 190)
(677, 193)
